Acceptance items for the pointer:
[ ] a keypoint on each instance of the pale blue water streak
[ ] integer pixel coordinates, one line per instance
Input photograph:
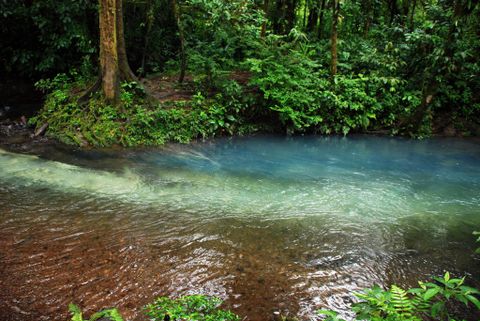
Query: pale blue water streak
(272, 178)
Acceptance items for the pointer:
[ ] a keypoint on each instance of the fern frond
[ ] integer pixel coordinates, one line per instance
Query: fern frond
(401, 302)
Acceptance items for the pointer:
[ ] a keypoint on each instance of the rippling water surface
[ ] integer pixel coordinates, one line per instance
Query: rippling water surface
(284, 225)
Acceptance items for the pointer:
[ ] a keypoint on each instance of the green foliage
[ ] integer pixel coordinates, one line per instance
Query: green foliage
(138, 121)
(394, 304)
(237, 25)
(192, 307)
(288, 81)
(478, 240)
(430, 300)
(301, 90)
(150, 34)
(45, 37)
(330, 315)
(402, 72)
(109, 314)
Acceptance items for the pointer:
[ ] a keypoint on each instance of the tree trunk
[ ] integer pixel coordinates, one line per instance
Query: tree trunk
(320, 23)
(149, 18)
(305, 8)
(393, 10)
(109, 51)
(368, 18)
(264, 24)
(125, 72)
(181, 35)
(290, 15)
(406, 8)
(312, 18)
(113, 56)
(335, 13)
(278, 16)
(412, 15)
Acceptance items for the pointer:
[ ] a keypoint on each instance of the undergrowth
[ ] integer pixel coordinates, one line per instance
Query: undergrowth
(435, 300)
(192, 307)
(139, 120)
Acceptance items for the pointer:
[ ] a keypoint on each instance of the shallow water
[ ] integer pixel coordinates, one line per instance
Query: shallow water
(271, 225)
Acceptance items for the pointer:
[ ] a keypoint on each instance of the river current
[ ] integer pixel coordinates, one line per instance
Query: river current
(271, 225)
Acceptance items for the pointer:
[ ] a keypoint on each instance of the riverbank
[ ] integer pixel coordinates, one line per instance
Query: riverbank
(162, 111)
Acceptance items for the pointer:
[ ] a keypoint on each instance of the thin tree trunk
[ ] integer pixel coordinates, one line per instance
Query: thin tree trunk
(393, 10)
(181, 35)
(320, 23)
(412, 15)
(406, 8)
(290, 15)
(149, 20)
(125, 71)
(368, 18)
(264, 24)
(313, 18)
(305, 14)
(335, 13)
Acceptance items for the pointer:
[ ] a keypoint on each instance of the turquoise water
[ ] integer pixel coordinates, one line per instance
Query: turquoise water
(269, 224)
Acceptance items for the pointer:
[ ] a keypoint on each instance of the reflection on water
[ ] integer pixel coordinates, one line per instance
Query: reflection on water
(268, 224)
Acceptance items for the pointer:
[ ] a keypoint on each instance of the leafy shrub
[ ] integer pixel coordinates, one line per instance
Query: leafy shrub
(189, 308)
(300, 89)
(430, 300)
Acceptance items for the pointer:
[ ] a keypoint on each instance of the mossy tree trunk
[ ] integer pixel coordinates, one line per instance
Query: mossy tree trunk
(114, 65)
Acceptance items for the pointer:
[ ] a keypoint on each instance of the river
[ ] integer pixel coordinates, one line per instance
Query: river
(271, 225)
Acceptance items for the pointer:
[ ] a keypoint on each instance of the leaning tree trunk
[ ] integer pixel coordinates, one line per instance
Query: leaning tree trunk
(114, 65)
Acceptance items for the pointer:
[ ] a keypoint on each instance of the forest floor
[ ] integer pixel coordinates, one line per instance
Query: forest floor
(167, 88)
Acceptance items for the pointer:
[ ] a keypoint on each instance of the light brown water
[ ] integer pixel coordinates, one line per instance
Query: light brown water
(268, 225)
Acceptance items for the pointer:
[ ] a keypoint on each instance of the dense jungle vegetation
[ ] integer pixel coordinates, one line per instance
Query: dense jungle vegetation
(144, 72)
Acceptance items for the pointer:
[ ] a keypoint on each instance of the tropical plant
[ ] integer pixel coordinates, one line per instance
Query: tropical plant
(189, 308)
(431, 300)
(108, 314)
